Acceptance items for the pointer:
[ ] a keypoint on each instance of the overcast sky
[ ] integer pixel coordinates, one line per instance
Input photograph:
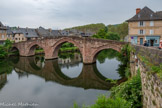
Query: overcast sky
(59, 14)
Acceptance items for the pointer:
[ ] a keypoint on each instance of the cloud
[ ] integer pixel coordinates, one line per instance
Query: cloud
(67, 13)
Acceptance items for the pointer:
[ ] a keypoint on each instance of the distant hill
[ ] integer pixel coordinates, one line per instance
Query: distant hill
(90, 27)
(121, 29)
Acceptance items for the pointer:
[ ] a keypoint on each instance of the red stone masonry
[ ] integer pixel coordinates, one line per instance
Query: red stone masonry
(89, 47)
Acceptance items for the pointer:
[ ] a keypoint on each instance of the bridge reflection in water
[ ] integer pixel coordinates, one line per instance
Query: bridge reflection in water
(89, 78)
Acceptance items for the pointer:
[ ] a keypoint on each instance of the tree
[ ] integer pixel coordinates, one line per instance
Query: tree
(112, 36)
(102, 34)
(5, 49)
(7, 46)
(120, 29)
(90, 27)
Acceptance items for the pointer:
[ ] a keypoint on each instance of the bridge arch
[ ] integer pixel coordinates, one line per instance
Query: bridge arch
(96, 52)
(14, 48)
(58, 44)
(32, 47)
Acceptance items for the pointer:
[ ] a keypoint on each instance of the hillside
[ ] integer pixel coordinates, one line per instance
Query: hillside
(120, 29)
(90, 27)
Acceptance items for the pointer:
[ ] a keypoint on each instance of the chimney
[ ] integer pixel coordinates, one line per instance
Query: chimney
(138, 10)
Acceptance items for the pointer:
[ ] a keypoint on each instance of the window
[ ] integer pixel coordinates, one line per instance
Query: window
(141, 32)
(2, 36)
(151, 23)
(151, 32)
(156, 41)
(151, 15)
(141, 23)
(15, 38)
(22, 38)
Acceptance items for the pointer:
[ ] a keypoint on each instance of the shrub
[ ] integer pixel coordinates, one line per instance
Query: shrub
(130, 91)
(103, 102)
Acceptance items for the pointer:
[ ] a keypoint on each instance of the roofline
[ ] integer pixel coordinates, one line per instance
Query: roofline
(144, 20)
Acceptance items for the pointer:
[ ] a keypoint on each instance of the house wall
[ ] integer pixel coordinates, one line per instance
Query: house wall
(19, 38)
(10, 37)
(134, 30)
(3, 34)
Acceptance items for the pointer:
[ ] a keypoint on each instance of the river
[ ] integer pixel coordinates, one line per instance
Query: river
(32, 82)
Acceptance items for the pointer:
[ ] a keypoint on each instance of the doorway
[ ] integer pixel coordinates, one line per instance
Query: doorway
(141, 41)
(151, 42)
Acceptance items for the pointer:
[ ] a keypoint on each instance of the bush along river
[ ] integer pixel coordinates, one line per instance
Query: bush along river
(61, 83)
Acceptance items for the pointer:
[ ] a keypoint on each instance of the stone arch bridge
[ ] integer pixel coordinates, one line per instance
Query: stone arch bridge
(89, 47)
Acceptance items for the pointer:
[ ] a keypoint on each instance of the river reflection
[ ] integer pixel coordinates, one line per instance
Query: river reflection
(56, 83)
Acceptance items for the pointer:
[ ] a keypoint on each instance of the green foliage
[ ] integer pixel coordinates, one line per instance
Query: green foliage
(145, 60)
(120, 29)
(67, 44)
(124, 57)
(75, 105)
(102, 34)
(3, 53)
(112, 36)
(69, 49)
(130, 91)
(104, 102)
(5, 66)
(109, 53)
(66, 55)
(127, 72)
(111, 81)
(5, 49)
(90, 27)
(154, 69)
(38, 51)
(157, 70)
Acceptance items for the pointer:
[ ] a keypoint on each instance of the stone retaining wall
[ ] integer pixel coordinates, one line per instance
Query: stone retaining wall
(151, 84)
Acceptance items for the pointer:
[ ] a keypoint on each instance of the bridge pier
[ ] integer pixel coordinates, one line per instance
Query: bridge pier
(88, 60)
